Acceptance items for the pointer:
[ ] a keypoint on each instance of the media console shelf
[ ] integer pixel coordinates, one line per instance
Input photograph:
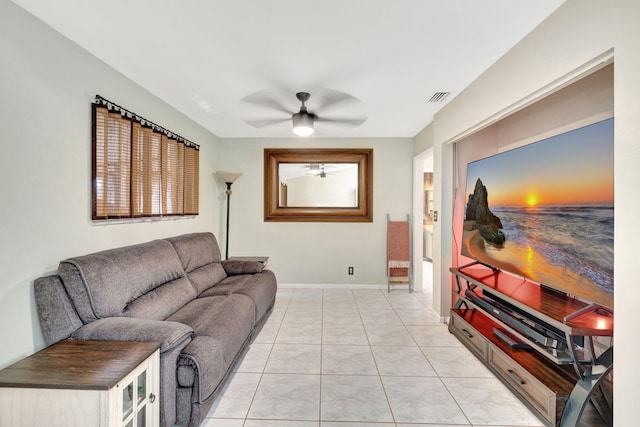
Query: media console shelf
(539, 342)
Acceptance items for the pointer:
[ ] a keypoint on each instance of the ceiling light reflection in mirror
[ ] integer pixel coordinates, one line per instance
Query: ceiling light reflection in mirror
(318, 185)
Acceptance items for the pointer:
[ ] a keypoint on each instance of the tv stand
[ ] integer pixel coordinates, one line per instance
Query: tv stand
(496, 270)
(539, 342)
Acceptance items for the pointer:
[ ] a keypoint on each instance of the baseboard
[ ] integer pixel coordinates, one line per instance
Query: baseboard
(329, 286)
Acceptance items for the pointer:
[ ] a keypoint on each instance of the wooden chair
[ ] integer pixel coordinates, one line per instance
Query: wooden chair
(399, 253)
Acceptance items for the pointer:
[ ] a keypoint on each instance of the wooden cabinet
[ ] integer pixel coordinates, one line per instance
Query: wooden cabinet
(83, 383)
(538, 342)
(526, 384)
(469, 336)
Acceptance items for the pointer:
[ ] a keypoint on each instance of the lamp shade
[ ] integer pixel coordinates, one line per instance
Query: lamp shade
(228, 177)
(303, 123)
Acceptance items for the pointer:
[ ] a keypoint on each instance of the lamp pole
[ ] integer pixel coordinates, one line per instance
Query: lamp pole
(228, 178)
(228, 193)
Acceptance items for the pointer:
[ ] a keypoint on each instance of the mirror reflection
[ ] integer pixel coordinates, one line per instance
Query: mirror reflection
(318, 185)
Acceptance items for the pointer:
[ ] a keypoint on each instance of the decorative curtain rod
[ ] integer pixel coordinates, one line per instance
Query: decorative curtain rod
(113, 106)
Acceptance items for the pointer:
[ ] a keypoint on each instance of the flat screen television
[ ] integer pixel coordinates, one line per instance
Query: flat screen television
(544, 211)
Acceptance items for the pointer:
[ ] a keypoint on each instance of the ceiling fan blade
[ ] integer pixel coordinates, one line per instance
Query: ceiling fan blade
(329, 98)
(263, 123)
(352, 122)
(263, 99)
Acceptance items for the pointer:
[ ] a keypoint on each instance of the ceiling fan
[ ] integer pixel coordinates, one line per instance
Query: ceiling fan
(303, 122)
(318, 169)
(322, 170)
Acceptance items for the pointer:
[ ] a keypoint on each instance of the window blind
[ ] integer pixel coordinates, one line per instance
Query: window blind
(145, 171)
(111, 164)
(172, 176)
(191, 162)
(140, 169)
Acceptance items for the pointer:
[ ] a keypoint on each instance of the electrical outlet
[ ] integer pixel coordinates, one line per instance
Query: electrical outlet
(435, 216)
(350, 271)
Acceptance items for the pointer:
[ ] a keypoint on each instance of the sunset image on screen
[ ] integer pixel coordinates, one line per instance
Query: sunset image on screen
(550, 207)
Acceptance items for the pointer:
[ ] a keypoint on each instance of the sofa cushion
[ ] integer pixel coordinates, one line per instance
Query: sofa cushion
(108, 283)
(207, 276)
(196, 249)
(233, 266)
(261, 288)
(159, 303)
(221, 325)
(199, 254)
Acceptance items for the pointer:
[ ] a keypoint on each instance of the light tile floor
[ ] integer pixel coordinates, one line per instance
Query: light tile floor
(357, 358)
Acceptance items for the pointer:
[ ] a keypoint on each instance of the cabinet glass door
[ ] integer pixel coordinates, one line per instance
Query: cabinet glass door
(141, 407)
(134, 402)
(127, 401)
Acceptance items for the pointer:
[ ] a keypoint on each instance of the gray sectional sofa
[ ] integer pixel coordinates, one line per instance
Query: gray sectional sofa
(175, 291)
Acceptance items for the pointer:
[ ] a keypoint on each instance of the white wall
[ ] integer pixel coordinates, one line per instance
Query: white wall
(311, 252)
(578, 32)
(46, 87)
(423, 140)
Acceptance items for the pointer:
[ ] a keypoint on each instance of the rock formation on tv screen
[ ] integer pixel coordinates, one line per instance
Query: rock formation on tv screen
(488, 224)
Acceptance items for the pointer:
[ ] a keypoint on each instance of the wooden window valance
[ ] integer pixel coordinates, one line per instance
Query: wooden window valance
(140, 169)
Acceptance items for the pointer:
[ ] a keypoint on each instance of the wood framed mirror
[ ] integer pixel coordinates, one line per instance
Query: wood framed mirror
(318, 184)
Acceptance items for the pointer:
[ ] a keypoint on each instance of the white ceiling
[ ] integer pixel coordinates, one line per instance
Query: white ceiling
(205, 56)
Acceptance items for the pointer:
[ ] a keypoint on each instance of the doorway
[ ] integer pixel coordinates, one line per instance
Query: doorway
(423, 220)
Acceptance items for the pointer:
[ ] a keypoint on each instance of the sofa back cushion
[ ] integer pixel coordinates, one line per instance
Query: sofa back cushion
(200, 256)
(144, 280)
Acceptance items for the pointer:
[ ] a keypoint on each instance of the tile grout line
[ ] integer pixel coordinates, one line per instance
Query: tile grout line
(325, 302)
(321, 354)
(255, 392)
(384, 389)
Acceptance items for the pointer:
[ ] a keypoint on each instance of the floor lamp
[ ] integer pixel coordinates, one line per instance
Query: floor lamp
(228, 178)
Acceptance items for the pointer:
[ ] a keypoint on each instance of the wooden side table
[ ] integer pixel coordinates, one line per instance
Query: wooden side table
(83, 383)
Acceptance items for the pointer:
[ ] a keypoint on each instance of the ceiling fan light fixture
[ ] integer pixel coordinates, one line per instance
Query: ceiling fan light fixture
(302, 124)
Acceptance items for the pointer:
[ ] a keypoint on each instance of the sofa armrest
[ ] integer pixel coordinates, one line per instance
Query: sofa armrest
(172, 336)
(58, 316)
(235, 266)
(169, 334)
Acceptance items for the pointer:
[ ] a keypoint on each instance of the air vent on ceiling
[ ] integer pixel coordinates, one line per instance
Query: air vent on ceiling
(439, 96)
